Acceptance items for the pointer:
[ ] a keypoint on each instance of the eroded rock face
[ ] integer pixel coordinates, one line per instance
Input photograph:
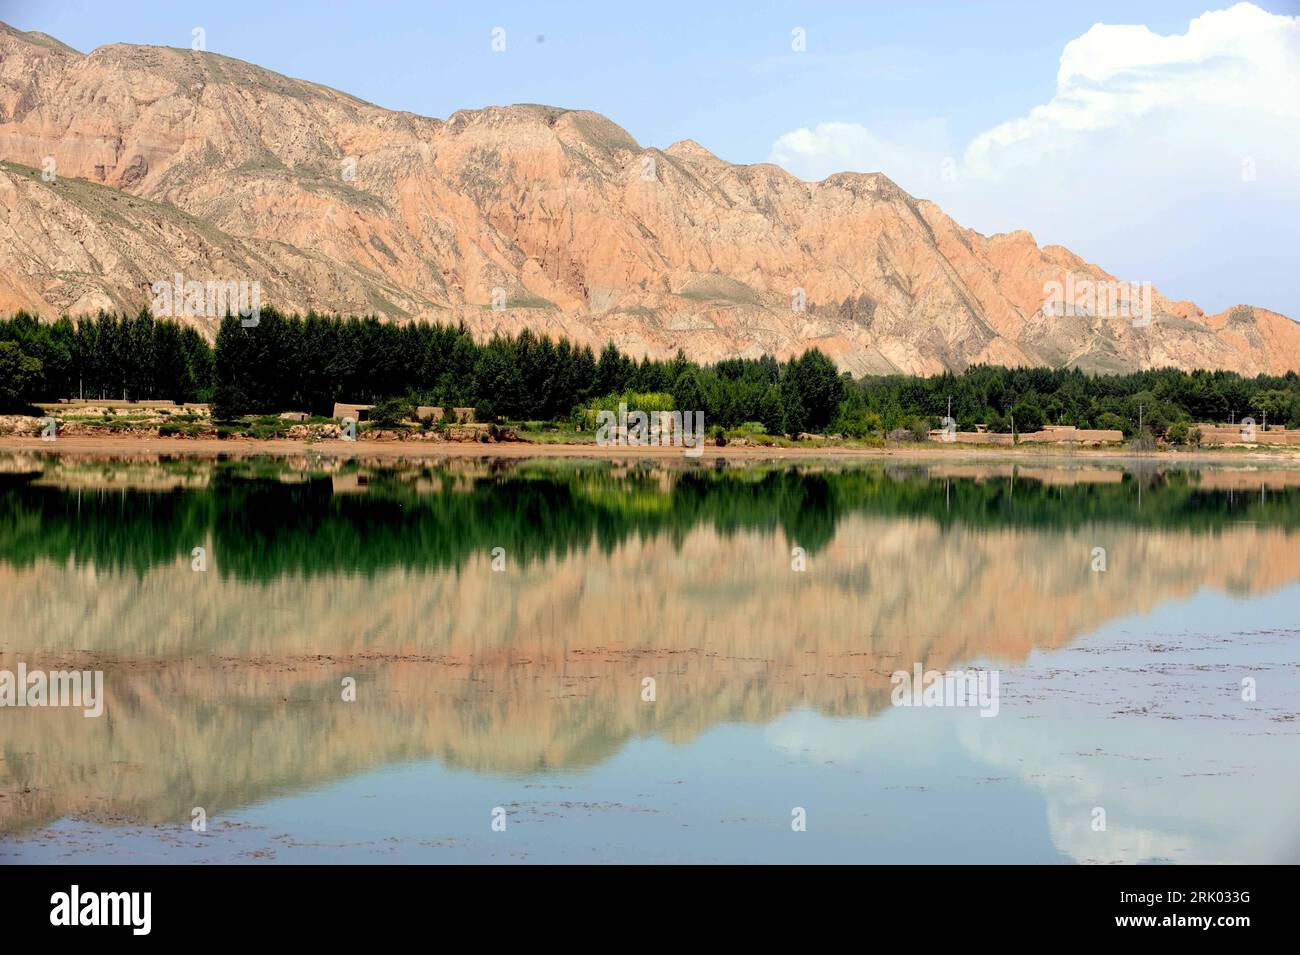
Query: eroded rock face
(171, 161)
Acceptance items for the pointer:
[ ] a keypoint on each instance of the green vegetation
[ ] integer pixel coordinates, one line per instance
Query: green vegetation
(267, 520)
(294, 362)
(391, 412)
(20, 374)
(1027, 398)
(140, 358)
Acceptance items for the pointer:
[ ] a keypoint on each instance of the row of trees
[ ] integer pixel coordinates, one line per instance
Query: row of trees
(288, 362)
(1031, 397)
(308, 363)
(137, 358)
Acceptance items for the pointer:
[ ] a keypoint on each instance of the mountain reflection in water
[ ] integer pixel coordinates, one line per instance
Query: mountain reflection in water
(223, 686)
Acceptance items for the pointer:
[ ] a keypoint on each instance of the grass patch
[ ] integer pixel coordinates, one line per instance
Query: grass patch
(720, 288)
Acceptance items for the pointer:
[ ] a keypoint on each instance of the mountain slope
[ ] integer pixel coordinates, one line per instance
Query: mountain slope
(173, 160)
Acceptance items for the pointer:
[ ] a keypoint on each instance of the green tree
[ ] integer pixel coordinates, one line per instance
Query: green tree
(1280, 406)
(1109, 421)
(794, 419)
(498, 385)
(688, 393)
(230, 398)
(20, 375)
(771, 412)
(814, 379)
(1028, 414)
(612, 372)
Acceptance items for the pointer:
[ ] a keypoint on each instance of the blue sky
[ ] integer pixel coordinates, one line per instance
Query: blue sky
(1197, 192)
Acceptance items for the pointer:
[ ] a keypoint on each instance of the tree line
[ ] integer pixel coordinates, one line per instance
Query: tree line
(105, 356)
(306, 363)
(288, 362)
(1158, 400)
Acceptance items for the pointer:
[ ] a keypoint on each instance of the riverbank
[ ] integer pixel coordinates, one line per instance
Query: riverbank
(128, 446)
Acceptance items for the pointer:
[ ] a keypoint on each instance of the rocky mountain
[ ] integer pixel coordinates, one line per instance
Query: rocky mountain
(125, 166)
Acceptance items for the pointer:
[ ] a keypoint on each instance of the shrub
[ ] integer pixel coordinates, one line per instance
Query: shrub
(857, 423)
(648, 401)
(391, 412)
(919, 428)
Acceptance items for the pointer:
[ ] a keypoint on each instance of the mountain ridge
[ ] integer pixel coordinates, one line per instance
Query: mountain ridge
(337, 205)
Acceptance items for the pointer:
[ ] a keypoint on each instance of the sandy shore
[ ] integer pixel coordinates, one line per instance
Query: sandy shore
(123, 446)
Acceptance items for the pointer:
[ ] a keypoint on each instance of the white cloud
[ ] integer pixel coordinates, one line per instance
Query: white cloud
(1240, 59)
(834, 147)
(1174, 159)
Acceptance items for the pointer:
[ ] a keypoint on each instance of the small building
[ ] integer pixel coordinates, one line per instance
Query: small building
(1051, 434)
(362, 413)
(1069, 434)
(459, 415)
(357, 412)
(1232, 434)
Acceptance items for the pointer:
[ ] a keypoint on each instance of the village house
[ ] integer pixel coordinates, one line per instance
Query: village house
(362, 413)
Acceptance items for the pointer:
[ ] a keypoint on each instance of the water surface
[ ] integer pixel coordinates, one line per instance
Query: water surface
(500, 619)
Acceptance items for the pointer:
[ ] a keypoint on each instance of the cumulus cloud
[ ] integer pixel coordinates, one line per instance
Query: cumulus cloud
(1240, 59)
(834, 147)
(1174, 159)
